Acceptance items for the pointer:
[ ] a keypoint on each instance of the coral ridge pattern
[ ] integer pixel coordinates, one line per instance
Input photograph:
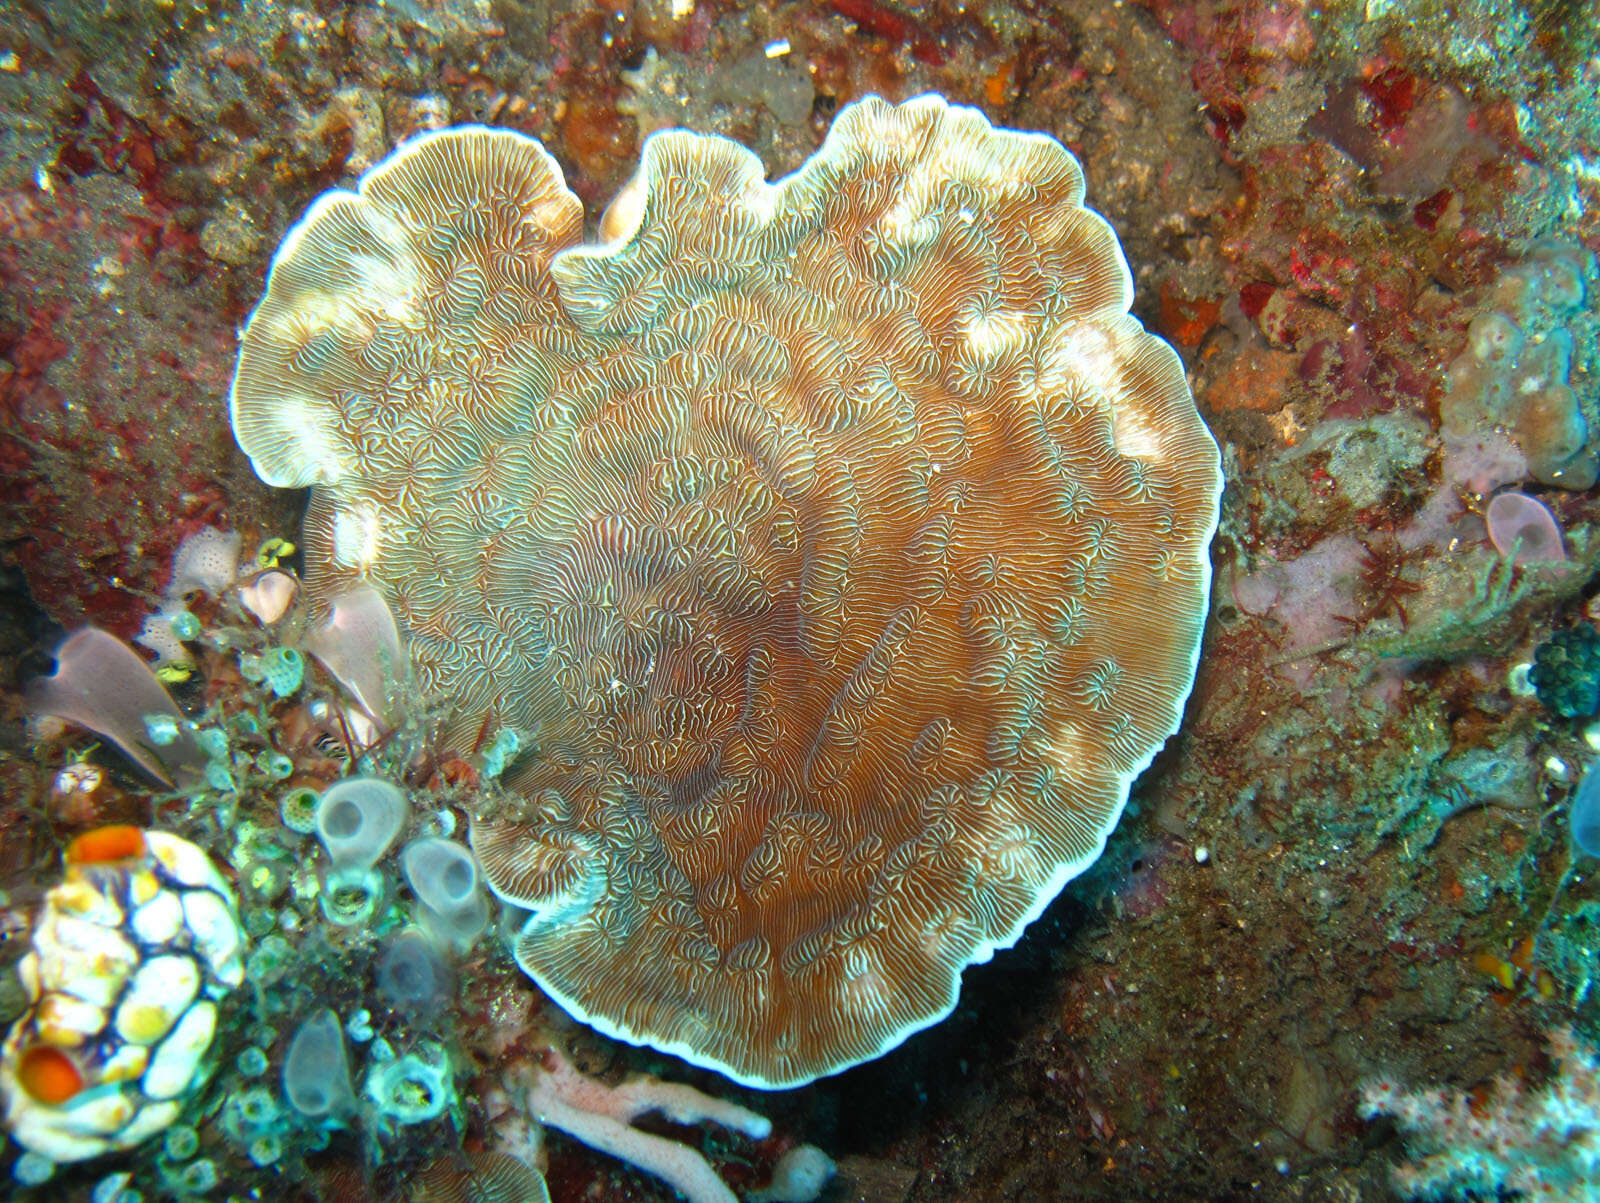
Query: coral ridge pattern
(837, 548)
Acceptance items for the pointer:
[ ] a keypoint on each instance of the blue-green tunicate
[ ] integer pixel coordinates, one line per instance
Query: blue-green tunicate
(412, 977)
(198, 1178)
(162, 729)
(256, 1108)
(444, 877)
(259, 923)
(181, 1142)
(1583, 817)
(298, 809)
(213, 742)
(268, 959)
(112, 1188)
(351, 897)
(275, 765)
(359, 1026)
(283, 669)
(357, 819)
(32, 1169)
(316, 1075)
(410, 1089)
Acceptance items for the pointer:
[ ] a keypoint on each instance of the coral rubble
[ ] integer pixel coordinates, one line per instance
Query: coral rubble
(1541, 1143)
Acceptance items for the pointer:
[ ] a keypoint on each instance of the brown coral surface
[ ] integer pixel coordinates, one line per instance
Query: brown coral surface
(839, 546)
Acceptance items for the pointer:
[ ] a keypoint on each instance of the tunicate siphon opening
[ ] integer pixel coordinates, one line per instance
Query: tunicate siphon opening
(411, 1090)
(358, 819)
(444, 877)
(298, 809)
(283, 670)
(350, 898)
(343, 819)
(199, 1177)
(275, 765)
(181, 1143)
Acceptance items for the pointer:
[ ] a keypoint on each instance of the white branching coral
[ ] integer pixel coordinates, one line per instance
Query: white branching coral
(1542, 1144)
(601, 1117)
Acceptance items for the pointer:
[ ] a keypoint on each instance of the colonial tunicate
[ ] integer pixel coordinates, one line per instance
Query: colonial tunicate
(316, 1072)
(357, 820)
(839, 545)
(130, 955)
(444, 878)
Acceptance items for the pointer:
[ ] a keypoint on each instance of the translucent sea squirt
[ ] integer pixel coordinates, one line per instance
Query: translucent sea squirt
(837, 548)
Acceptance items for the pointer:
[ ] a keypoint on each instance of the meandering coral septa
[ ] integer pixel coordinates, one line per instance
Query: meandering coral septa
(840, 544)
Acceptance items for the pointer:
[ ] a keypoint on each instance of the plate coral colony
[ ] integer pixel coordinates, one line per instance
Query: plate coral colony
(768, 606)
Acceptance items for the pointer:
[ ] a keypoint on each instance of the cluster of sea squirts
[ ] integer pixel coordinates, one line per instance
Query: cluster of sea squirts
(356, 903)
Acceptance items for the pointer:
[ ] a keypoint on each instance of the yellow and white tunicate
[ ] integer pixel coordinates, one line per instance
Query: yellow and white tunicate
(131, 954)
